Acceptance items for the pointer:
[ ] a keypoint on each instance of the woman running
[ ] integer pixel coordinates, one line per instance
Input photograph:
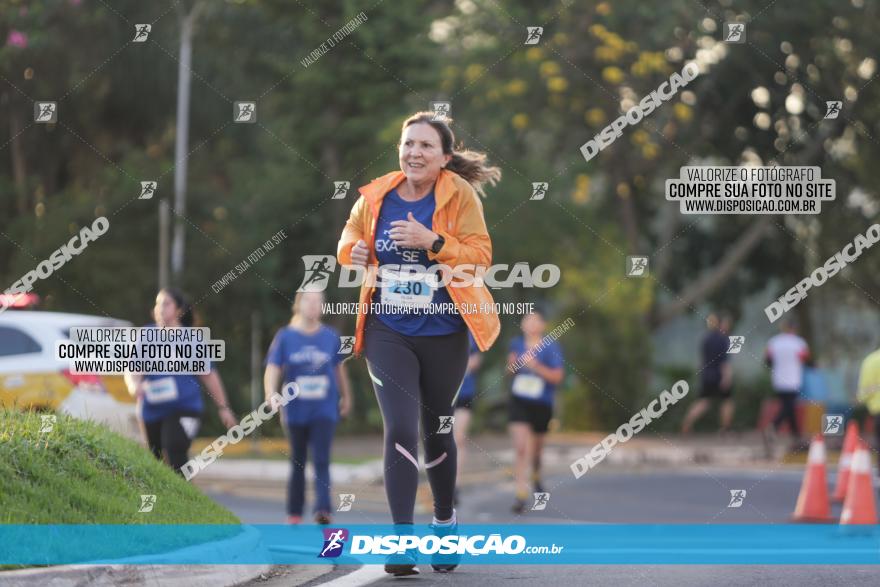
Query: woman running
(463, 404)
(415, 336)
(306, 352)
(170, 406)
(537, 369)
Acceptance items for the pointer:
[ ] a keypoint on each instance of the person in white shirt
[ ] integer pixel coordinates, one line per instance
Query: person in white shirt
(786, 355)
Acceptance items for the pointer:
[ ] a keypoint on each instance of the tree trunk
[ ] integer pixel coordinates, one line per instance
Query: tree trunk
(19, 169)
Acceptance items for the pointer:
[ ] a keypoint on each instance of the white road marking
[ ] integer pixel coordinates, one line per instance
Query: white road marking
(363, 576)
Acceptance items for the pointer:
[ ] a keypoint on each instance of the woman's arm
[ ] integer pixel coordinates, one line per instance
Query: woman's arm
(271, 380)
(470, 245)
(352, 233)
(552, 375)
(133, 382)
(345, 401)
(511, 360)
(214, 385)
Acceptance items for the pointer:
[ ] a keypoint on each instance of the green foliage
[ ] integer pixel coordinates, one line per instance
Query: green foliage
(81, 473)
(529, 108)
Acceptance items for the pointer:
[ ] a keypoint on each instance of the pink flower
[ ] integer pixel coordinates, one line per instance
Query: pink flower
(17, 39)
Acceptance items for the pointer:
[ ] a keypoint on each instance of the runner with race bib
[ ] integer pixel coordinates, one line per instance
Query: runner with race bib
(405, 223)
(537, 367)
(306, 353)
(170, 407)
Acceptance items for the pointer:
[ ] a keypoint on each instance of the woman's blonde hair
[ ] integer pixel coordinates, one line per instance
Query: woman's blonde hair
(296, 319)
(471, 165)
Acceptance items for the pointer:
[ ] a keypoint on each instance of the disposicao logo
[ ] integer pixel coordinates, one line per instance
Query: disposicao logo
(334, 541)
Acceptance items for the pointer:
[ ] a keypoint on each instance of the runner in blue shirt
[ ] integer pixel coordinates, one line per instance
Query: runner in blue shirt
(170, 406)
(463, 405)
(536, 365)
(306, 353)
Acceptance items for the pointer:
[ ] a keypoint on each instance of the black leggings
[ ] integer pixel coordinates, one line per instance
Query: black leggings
(416, 377)
(170, 436)
(787, 403)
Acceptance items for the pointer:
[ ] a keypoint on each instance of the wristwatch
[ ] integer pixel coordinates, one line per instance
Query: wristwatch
(438, 244)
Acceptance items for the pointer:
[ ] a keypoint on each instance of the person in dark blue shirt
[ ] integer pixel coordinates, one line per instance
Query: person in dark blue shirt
(716, 375)
(537, 369)
(306, 353)
(170, 406)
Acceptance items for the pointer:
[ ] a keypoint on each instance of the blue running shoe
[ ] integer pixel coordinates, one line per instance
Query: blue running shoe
(444, 563)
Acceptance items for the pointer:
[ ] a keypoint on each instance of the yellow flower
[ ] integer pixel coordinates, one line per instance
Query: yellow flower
(683, 112)
(515, 87)
(557, 84)
(612, 75)
(604, 53)
(519, 121)
(603, 8)
(534, 54)
(595, 116)
(617, 42)
(640, 137)
(598, 30)
(549, 69)
(473, 72)
(581, 193)
(650, 151)
(494, 95)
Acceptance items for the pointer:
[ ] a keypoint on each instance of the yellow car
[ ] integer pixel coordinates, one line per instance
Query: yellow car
(32, 378)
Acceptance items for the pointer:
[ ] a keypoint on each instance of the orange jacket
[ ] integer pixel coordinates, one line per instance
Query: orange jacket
(458, 217)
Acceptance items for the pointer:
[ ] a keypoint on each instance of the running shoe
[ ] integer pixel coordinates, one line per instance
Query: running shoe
(401, 565)
(444, 563)
(519, 506)
(322, 518)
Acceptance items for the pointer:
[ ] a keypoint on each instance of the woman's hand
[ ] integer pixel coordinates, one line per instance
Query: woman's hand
(228, 417)
(412, 234)
(360, 253)
(140, 390)
(344, 406)
(274, 401)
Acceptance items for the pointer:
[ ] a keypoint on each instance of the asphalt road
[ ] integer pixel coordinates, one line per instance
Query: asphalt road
(689, 496)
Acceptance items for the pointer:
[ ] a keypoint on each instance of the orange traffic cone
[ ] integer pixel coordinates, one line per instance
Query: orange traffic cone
(860, 506)
(849, 446)
(812, 503)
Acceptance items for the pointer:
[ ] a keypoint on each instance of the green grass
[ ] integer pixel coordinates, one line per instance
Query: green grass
(82, 473)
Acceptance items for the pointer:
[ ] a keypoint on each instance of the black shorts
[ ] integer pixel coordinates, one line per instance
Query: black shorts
(465, 403)
(536, 414)
(712, 389)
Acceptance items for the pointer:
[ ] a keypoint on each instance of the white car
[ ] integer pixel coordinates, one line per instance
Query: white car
(32, 378)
